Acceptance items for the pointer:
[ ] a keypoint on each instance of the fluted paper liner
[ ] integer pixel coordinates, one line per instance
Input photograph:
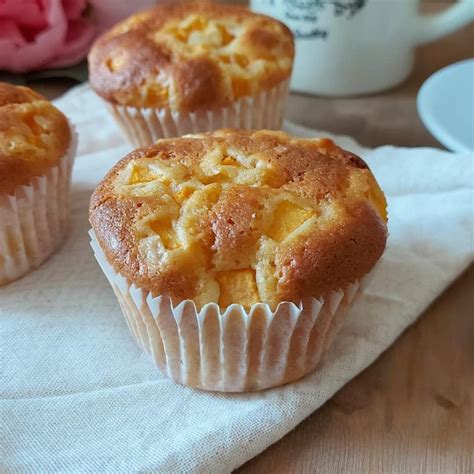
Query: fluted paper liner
(231, 350)
(143, 126)
(33, 220)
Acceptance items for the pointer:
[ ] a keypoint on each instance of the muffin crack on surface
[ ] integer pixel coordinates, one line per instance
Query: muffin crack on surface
(241, 217)
(189, 57)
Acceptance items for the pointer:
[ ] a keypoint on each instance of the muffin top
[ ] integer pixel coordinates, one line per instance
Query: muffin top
(190, 57)
(240, 217)
(34, 135)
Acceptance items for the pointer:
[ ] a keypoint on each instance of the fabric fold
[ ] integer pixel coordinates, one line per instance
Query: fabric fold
(78, 395)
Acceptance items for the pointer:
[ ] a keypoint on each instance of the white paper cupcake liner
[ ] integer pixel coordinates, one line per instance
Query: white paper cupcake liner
(232, 350)
(143, 126)
(33, 220)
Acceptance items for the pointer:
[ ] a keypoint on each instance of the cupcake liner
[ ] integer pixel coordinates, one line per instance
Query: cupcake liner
(33, 220)
(143, 126)
(231, 350)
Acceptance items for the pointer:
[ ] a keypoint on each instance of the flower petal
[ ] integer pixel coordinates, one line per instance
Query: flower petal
(78, 41)
(9, 32)
(27, 13)
(19, 57)
(74, 8)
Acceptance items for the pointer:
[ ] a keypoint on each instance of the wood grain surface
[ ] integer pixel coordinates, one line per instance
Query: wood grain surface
(412, 411)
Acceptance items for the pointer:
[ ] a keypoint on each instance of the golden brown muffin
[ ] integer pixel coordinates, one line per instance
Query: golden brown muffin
(35, 142)
(240, 217)
(190, 57)
(34, 135)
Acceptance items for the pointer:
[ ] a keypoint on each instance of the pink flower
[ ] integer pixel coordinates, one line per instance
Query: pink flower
(35, 34)
(39, 33)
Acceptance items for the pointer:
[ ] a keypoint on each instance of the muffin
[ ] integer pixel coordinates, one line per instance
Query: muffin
(36, 154)
(235, 255)
(192, 68)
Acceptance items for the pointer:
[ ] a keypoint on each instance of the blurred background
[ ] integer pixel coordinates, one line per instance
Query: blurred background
(386, 117)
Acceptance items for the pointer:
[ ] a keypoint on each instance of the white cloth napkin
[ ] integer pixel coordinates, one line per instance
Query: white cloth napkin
(78, 395)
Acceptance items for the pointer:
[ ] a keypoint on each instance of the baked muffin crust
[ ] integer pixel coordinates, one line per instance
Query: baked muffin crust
(34, 135)
(190, 57)
(240, 217)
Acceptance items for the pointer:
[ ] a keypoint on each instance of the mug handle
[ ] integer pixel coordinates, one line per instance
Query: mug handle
(431, 27)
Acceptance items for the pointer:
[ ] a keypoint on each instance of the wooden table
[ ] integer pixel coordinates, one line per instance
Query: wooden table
(412, 410)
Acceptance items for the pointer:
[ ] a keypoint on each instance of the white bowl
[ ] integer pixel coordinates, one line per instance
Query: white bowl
(446, 106)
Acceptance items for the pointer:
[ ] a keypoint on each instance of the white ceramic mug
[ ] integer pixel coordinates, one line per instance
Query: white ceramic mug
(350, 47)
